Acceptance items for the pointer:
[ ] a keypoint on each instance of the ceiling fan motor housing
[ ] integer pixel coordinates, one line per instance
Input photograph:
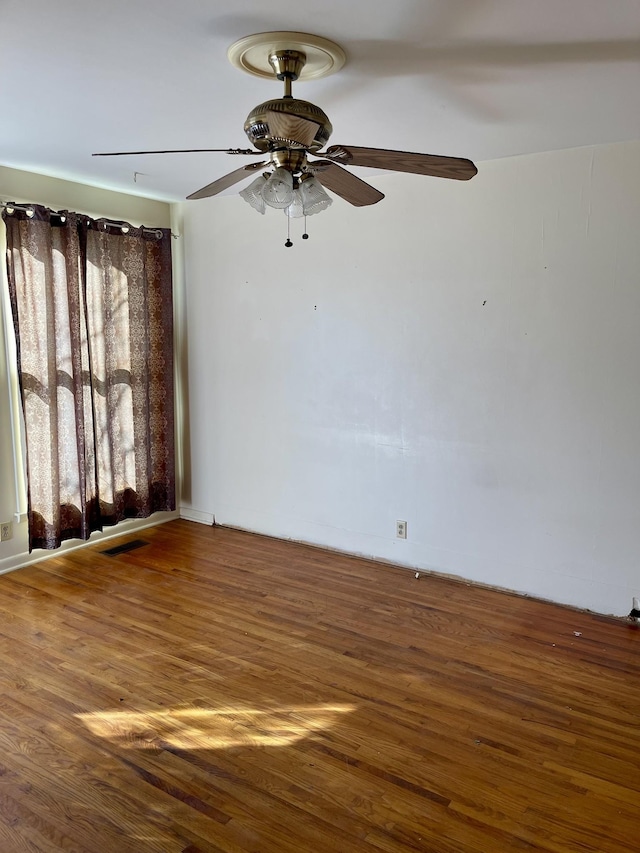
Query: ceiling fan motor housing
(286, 121)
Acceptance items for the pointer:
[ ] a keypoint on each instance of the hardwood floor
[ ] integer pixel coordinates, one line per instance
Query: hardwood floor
(218, 691)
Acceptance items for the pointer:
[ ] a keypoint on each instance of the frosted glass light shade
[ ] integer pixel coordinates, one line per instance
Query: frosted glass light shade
(314, 198)
(278, 189)
(253, 194)
(295, 209)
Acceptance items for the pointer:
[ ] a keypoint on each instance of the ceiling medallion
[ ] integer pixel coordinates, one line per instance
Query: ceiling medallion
(251, 54)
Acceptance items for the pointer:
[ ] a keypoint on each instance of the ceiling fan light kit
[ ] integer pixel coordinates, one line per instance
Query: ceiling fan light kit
(289, 129)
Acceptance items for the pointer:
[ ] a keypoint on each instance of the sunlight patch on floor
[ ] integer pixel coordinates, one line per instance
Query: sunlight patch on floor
(207, 728)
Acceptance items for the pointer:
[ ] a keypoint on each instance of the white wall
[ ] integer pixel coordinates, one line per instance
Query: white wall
(58, 194)
(462, 356)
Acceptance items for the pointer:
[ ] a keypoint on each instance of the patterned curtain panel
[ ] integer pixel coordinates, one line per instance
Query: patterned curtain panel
(92, 311)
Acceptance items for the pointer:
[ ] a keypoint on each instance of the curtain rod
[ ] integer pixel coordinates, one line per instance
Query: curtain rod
(10, 205)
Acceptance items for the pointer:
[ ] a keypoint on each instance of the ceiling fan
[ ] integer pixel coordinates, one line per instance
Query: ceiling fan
(288, 130)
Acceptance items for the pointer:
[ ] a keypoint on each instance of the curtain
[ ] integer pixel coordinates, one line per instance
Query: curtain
(92, 312)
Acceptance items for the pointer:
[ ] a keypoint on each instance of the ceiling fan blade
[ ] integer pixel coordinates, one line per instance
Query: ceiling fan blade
(180, 151)
(343, 183)
(227, 181)
(458, 168)
(291, 128)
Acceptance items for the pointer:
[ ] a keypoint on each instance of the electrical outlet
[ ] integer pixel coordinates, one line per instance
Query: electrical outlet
(5, 531)
(401, 529)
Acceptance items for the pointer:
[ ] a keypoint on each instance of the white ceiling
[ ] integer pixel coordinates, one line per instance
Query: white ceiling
(474, 78)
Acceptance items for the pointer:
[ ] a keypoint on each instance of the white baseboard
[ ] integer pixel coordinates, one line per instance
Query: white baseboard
(19, 561)
(197, 515)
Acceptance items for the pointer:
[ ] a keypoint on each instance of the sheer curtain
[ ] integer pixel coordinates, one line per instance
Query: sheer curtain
(92, 312)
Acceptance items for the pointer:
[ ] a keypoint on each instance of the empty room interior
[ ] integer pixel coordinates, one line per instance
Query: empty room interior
(320, 531)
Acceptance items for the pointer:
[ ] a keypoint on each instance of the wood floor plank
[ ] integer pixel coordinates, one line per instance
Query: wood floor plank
(219, 692)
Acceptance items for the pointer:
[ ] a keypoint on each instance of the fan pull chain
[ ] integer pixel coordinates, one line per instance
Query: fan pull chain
(288, 243)
(305, 236)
